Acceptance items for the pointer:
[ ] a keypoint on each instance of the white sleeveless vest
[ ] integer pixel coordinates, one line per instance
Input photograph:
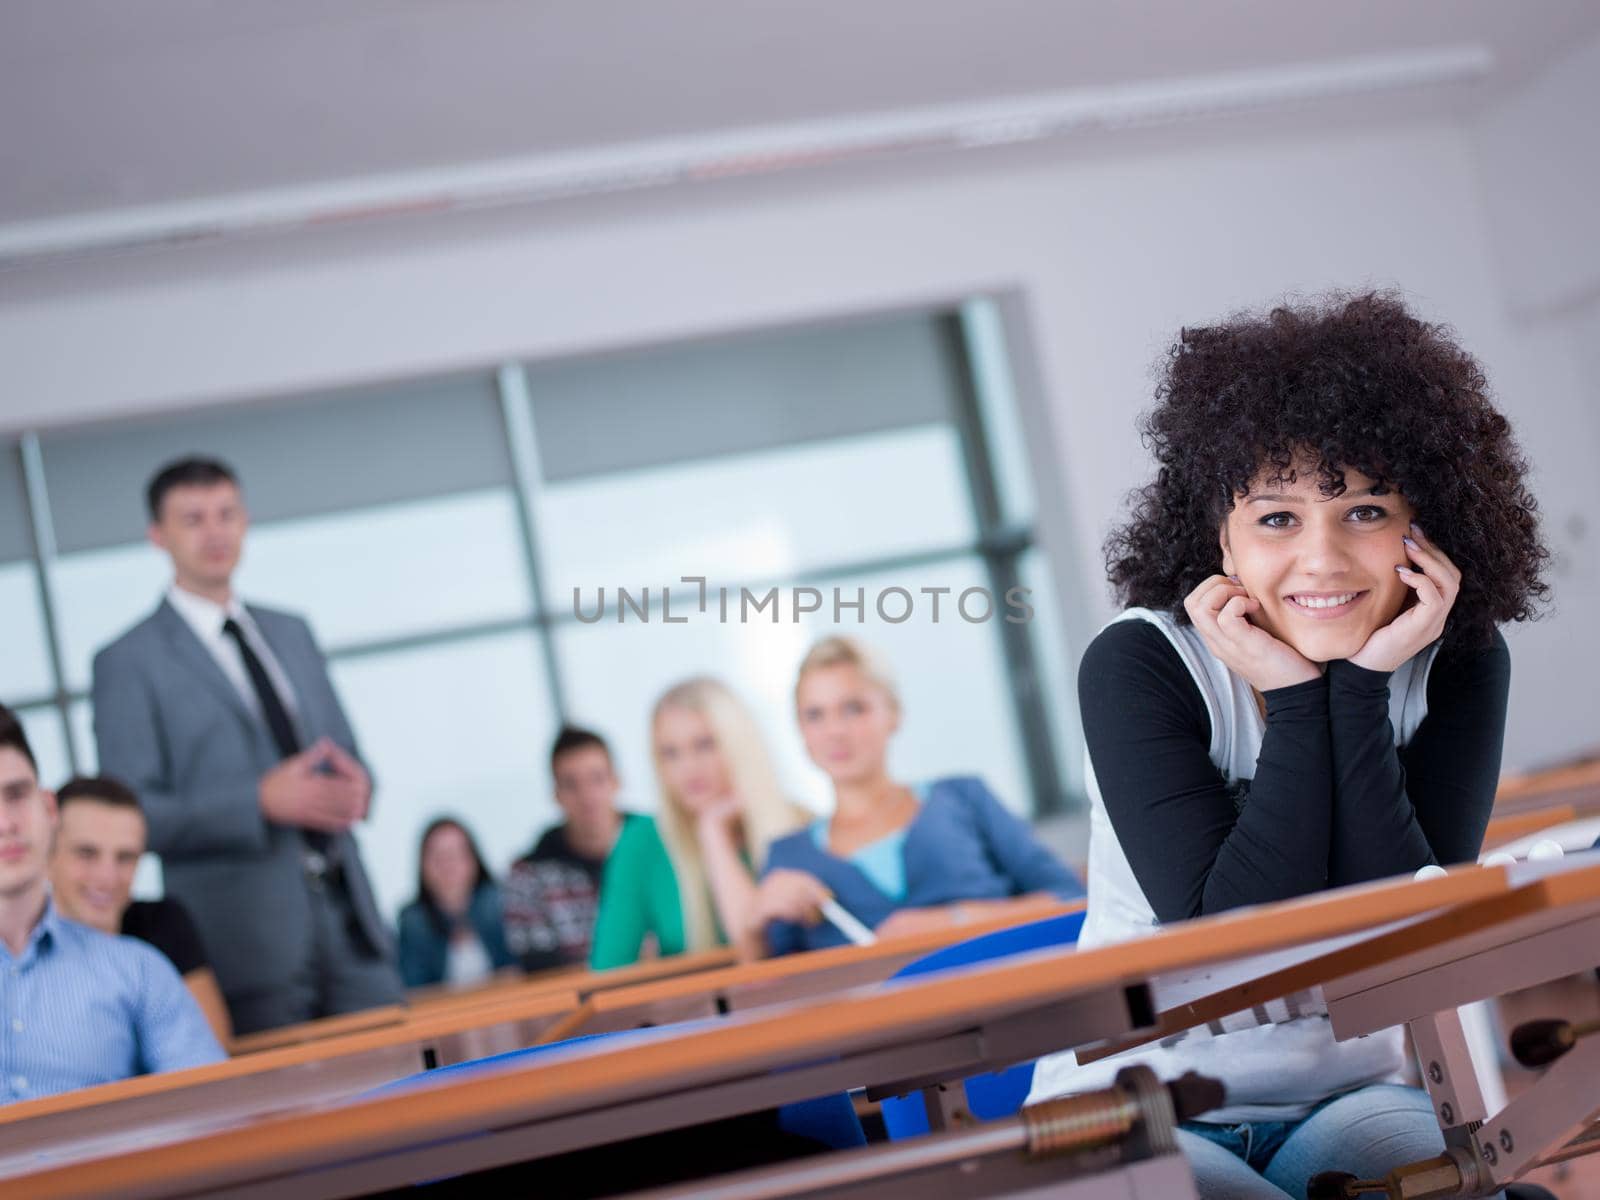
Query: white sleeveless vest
(1273, 1072)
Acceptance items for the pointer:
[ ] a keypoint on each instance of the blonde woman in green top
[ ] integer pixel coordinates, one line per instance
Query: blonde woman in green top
(689, 875)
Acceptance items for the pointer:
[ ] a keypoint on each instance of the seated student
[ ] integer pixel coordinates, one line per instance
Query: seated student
(687, 877)
(898, 858)
(550, 895)
(451, 932)
(82, 1007)
(1307, 688)
(99, 842)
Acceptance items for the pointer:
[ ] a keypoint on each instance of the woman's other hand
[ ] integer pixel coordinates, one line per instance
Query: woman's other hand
(722, 813)
(1435, 582)
(1220, 609)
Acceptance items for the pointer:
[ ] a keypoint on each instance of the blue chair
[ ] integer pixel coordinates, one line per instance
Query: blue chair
(993, 1094)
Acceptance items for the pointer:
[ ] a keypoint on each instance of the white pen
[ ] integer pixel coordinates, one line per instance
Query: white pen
(841, 920)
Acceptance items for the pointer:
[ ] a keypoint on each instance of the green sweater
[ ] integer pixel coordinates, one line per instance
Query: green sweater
(638, 896)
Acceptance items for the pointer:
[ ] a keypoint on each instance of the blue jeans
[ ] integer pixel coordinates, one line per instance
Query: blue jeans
(1367, 1132)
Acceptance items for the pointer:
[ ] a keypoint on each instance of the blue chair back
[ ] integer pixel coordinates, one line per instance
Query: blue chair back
(993, 1094)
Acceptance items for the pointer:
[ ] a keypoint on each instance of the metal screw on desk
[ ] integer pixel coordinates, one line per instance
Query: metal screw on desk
(1448, 1113)
(1435, 1073)
(1506, 1143)
(1489, 1155)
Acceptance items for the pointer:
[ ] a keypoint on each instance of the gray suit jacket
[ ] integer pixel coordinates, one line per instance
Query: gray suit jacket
(169, 724)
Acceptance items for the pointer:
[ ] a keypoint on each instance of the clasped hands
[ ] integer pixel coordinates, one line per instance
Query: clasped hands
(322, 787)
(1220, 609)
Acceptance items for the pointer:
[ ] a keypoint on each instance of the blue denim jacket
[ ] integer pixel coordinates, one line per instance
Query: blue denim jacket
(423, 948)
(962, 845)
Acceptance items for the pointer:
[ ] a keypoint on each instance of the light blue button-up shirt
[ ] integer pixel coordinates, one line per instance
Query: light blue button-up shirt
(80, 1007)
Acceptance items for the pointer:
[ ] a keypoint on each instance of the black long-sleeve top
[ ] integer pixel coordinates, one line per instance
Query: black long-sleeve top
(1333, 801)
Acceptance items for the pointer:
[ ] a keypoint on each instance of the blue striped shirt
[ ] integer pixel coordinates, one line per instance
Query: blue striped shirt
(80, 1007)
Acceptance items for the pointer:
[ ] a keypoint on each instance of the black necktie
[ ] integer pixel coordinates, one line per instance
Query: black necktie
(271, 703)
(277, 717)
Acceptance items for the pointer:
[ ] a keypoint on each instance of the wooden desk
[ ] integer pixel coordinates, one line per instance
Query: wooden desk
(578, 979)
(499, 990)
(448, 993)
(1577, 784)
(908, 1031)
(312, 1031)
(774, 980)
(1230, 988)
(224, 1095)
(1503, 830)
(1526, 804)
(1420, 975)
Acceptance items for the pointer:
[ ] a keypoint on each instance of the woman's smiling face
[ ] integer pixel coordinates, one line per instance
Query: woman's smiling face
(1322, 567)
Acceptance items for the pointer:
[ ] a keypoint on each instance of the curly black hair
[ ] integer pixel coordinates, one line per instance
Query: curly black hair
(1348, 382)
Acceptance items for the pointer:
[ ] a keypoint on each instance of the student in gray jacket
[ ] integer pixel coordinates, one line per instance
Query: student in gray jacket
(223, 719)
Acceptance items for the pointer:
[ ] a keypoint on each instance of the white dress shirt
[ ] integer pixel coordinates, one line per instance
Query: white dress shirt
(207, 618)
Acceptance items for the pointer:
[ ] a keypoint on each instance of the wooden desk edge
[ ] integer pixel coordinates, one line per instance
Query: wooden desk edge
(457, 1108)
(427, 1028)
(1475, 915)
(311, 1031)
(771, 970)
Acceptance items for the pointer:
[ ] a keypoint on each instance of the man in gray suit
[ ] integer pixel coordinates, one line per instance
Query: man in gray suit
(222, 717)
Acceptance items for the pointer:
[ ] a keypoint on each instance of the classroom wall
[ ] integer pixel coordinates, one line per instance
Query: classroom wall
(1538, 172)
(1540, 178)
(1105, 254)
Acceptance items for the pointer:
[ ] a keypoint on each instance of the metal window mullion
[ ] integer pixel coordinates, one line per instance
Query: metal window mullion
(29, 703)
(516, 411)
(44, 560)
(1016, 639)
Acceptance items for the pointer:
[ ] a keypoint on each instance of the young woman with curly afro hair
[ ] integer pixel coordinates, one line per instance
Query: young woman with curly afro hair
(1307, 687)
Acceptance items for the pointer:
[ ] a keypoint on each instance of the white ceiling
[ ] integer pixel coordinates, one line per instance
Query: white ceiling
(106, 104)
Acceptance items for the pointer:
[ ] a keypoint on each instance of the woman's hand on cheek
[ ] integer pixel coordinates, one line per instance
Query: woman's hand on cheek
(718, 814)
(1435, 582)
(1220, 609)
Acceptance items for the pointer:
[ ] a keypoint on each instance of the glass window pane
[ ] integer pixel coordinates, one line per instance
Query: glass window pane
(80, 714)
(957, 701)
(98, 595)
(951, 674)
(612, 675)
(997, 408)
(16, 539)
(458, 728)
(1057, 668)
(757, 392)
(356, 576)
(394, 571)
(148, 881)
(48, 741)
(773, 515)
(295, 457)
(24, 650)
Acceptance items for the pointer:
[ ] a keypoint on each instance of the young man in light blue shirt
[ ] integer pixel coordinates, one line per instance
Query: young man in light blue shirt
(77, 1007)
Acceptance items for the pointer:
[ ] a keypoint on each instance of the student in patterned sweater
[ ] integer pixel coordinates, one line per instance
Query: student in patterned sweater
(551, 895)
